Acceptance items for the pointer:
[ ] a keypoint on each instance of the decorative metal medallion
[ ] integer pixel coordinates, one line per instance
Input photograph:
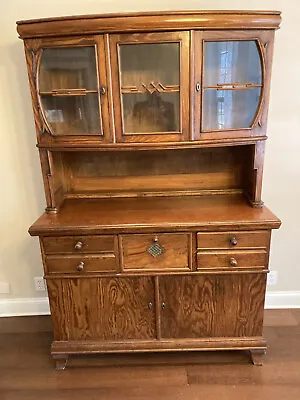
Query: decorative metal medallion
(155, 249)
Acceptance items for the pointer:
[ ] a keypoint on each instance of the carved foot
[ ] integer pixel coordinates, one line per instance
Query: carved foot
(257, 356)
(60, 362)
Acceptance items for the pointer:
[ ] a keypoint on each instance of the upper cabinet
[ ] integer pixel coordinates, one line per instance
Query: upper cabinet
(151, 86)
(231, 83)
(69, 85)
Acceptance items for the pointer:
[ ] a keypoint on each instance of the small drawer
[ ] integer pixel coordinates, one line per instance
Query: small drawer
(82, 264)
(164, 251)
(77, 244)
(232, 240)
(232, 259)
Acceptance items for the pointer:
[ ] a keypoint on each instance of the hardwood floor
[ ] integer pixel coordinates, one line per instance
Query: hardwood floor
(27, 372)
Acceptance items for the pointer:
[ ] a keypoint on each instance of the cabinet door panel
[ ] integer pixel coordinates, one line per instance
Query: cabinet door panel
(71, 89)
(151, 93)
(102, 308)
(232, 77)
(212, 305)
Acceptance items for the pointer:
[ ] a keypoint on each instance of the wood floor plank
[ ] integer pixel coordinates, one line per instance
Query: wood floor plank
(27, 371)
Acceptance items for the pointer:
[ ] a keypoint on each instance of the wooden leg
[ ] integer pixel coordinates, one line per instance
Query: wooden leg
(60, 362)
(257, 356)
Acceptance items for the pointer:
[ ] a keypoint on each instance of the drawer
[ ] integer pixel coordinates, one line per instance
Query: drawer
(77, 244)
(81, 264)
(165, 251)
(232, 259)
(232, 240)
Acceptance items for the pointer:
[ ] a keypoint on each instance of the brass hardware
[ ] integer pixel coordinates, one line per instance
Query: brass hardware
(150, 305)
(102, 90)
(78, 245)
(233, 262)
(198, 87)
(233, 241)
(163, 305)
(80, 266)
(156, 249)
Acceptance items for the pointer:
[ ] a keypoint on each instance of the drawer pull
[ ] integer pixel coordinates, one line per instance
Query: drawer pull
(80, 266)
(233, 262)
(150, 305)
(233, 241)
(78, 246)
(155, 249)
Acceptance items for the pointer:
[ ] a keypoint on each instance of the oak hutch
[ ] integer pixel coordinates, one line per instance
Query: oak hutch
(151, 131)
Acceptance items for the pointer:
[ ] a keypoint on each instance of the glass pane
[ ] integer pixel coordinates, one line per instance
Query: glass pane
(231, 62)
(72, 115)
(150, 87)
(68, 68)
(156, 112)
(225, 109)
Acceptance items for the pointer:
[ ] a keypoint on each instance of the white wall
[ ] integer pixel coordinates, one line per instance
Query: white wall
(22, 197)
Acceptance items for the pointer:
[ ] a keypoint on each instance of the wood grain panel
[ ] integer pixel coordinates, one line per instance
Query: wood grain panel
(232, 259)
(176, 252)
(103, 309)
(105, 262)
(66, 244)
(233, 240)
(212, 305)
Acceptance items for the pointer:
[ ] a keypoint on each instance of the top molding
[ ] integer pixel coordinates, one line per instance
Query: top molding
(148, 21)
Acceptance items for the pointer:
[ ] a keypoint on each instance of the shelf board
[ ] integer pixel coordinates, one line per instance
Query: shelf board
(208, 213)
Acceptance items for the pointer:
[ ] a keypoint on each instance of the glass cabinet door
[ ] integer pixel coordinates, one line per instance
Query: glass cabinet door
(68, 90)
(151, 89)
(232, 84)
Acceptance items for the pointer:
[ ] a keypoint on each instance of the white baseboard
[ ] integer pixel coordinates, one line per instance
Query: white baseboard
(40, 305)
(282, 300)
(26, 306)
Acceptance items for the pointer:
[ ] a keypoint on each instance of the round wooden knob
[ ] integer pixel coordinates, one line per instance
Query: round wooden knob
(78, 246)
(233, 241)
(233, 262)
(80, 266)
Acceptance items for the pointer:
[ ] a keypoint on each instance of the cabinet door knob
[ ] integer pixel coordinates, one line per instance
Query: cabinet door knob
(233, 241)
(233, 262)
(78, 246)
(198, 87)
(150, 305)
(102, 90)
(80, 266)
(163, 305)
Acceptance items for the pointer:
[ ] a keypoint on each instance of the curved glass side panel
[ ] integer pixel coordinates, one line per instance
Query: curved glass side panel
(232, 84)
(68, 90)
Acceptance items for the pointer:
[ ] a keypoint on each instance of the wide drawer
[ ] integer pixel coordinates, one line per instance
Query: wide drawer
(156, 252)
(77, 244)
(232, 259)
(232, 240)
(81, 264)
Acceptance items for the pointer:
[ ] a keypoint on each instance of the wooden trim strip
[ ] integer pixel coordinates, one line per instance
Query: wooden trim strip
(145, 22)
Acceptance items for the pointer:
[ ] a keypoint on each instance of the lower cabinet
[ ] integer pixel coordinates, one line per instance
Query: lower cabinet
(102, 308)
(229, 305)
(145, 308)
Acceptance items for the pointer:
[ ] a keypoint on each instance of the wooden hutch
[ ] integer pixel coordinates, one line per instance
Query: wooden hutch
(151, 130)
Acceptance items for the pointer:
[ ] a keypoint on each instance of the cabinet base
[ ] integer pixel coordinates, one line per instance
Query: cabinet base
(60, 350)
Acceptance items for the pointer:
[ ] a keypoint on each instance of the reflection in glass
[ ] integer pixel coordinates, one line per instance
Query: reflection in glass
(68, 68)
(156, 112)
(226, 109)
(232, 62)
(72, 115)
(150, 87)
